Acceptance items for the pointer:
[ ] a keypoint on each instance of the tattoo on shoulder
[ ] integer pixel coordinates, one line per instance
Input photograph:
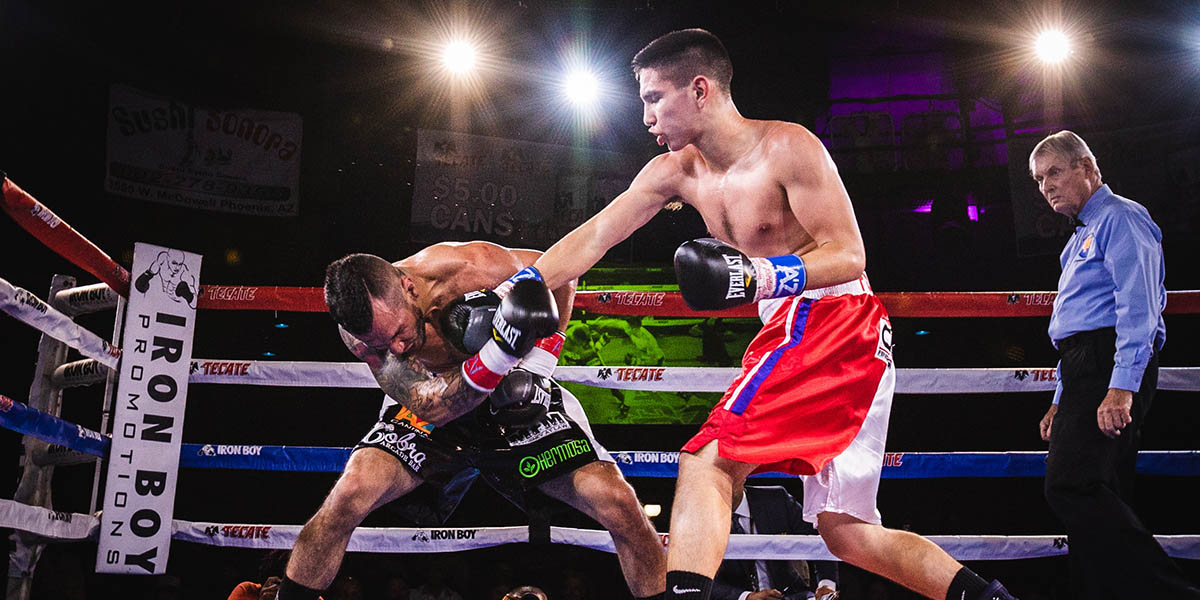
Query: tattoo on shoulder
(435, 398)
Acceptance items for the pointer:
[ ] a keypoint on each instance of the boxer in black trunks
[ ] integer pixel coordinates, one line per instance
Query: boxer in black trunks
(406, 320)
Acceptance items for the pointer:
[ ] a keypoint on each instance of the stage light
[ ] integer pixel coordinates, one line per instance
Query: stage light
(1052, 46)
(653, 510)
(581, 88)
(459, 57)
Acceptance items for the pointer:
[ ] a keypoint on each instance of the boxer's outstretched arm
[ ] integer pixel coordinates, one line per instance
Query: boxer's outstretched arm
(822, 206)
(577, 251)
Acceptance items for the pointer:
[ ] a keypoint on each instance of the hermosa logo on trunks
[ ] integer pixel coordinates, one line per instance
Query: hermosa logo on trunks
(384, 434)
(552, 423)
(530, 466)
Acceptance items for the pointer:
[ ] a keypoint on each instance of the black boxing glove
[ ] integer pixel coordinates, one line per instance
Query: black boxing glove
(183, 291)
(526, 314)
(467, 321)
(143, 281)
(713, 275)
(522, 398)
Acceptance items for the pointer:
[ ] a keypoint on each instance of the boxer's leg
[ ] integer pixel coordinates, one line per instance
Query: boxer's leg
(599, 491)
(701, 511)
(903, 557)
(371, 479)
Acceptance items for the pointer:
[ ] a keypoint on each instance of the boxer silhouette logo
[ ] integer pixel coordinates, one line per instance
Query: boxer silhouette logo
(172, 273)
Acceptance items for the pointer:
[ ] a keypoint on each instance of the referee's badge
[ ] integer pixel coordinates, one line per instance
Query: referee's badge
(1086, 249)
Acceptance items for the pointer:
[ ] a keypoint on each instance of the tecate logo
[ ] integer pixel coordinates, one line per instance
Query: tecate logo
(247, 531)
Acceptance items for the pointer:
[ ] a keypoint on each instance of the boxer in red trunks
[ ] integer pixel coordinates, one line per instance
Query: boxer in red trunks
(816, 386)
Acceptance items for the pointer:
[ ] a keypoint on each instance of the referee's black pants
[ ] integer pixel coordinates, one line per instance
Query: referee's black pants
(1089, 482)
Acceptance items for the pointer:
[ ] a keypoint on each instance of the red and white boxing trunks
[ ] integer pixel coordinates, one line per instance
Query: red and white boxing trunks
(809, 379)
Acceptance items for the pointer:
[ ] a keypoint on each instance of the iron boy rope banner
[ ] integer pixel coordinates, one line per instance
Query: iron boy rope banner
(139, 494)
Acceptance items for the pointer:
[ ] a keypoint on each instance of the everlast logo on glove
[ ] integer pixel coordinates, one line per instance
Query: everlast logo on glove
(504, 332)
(737, 277)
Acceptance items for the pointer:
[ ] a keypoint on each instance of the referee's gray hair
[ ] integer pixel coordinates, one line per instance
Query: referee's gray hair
(1065, 144)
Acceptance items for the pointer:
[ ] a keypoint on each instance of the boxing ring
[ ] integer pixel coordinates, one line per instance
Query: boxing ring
(51, 441)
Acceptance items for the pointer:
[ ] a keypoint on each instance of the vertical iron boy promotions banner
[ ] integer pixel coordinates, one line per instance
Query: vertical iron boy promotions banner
(139, 493)
(244, 160)
(514, 193)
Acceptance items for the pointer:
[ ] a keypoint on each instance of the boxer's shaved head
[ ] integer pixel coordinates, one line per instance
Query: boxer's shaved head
(351, 282)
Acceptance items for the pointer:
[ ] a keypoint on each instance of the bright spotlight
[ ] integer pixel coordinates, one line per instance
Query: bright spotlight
(1052, 46)
(652, 510)
(459, 57)
(582, 88)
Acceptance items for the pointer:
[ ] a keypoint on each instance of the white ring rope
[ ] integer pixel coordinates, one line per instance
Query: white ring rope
(76, 527)
(664, 379)
(33, 311)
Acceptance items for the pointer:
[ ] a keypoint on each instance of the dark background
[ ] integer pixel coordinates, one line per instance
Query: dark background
(362, 103)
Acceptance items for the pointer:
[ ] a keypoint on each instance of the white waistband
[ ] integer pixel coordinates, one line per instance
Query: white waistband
(860, 286)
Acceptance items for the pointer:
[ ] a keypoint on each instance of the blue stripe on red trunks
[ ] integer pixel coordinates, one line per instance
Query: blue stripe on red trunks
(748, 392)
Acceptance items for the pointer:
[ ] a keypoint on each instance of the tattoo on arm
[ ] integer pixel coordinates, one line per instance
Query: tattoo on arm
(438, 399)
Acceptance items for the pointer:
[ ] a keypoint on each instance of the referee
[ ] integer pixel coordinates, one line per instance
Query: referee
(1107, 325)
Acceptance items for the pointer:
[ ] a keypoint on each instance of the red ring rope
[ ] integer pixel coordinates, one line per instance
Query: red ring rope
(44, 225)
(71, 245)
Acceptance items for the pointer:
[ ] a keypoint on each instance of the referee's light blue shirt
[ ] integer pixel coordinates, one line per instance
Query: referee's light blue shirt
(1112, 276)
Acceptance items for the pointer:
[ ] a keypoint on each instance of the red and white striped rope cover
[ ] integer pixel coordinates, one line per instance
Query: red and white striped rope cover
(670, 304)
(64, 526)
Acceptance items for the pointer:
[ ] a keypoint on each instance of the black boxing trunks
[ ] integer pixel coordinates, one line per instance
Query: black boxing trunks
(511, 460)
